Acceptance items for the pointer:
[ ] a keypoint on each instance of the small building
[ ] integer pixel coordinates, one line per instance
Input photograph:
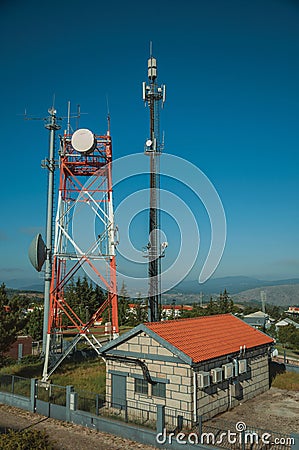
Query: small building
(167, 311)
(285, 322)
(21, 347)
(174, 311)
(258, 319)
(293, 310)
(194, 367)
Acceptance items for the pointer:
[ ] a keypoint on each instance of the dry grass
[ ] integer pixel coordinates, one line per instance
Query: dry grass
(287, 380)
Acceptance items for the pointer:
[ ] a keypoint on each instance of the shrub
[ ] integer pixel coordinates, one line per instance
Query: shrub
(25, 440)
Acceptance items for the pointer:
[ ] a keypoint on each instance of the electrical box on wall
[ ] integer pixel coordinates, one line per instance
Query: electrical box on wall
(228, 370)
(242, 365)
(216, 375)
(203, 379)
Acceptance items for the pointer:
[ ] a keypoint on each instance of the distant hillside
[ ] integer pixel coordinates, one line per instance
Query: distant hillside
(284, 295)
(35, 295)
(232, 284)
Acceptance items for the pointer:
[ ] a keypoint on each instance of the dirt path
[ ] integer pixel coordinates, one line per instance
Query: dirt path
(276, 410)
(67, 436)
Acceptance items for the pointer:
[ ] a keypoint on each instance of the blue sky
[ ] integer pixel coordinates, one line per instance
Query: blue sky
(231, 70)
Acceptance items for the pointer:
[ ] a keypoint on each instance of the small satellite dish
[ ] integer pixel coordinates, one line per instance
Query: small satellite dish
(84, 141)
(37, 252)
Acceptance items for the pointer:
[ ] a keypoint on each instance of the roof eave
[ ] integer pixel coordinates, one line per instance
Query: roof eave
(143, 328)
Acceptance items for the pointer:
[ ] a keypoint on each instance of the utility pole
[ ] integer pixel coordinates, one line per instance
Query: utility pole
(154, 95)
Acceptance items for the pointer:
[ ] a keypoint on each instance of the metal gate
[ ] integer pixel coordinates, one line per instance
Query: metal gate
(51, 400)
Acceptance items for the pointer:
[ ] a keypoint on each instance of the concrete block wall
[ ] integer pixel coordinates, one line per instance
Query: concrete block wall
(259, 381)
(179, 385)
(219, 397)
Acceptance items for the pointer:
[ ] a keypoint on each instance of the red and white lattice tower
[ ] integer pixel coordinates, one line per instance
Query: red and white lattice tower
(85, 185)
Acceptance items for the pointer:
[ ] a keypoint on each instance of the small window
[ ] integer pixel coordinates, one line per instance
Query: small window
(159, 390)
(141, 386)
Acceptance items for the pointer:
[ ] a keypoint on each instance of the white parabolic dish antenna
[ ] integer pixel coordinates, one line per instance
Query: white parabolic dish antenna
(84, 141)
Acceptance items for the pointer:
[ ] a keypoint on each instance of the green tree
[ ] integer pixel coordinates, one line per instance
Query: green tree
(212, 307)
(12, 320)
(222, 305)
(34, 325)
(123, 305)
(83, 298)
(275, 312)
(139, 313)
(271, 331)
(289, 336)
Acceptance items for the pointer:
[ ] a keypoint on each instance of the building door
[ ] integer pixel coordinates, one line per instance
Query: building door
(119, 394)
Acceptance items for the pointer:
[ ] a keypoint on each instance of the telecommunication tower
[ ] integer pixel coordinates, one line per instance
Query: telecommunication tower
(154, 96)
(85, 181)
(263, 299)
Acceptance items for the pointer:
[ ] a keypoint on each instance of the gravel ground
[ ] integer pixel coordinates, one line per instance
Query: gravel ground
(275, 410)
(66, 436)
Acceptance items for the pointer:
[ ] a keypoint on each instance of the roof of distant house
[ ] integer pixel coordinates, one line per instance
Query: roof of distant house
(177, 307)
(287, 321)
(259, 314)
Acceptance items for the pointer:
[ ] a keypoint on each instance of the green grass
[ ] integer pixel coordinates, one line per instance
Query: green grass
(89, 375)
(32, 370)
(289, 352)
(287, 380)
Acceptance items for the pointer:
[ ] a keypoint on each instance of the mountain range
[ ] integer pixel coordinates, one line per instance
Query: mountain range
(233, 285)
(241, 288)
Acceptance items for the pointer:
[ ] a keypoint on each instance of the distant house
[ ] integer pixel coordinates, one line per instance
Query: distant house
(194, 367)
(258, 319)
(21, 347)
(293, 310)
(174, 311)
(285, 322)
(167, 311)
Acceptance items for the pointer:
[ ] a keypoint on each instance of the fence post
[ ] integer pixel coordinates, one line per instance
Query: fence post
(160, 425)
(97, 404)
(180, 423)
(126, 412)
(295, 436)
(70, 403)
(33, 393)
(12, 384)
(200, 426)
(243, 440)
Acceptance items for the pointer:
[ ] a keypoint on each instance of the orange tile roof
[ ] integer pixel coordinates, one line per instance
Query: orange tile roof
(207, 337)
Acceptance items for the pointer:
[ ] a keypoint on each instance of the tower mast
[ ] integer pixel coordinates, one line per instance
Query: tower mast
(154, 95)
(52, 126)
